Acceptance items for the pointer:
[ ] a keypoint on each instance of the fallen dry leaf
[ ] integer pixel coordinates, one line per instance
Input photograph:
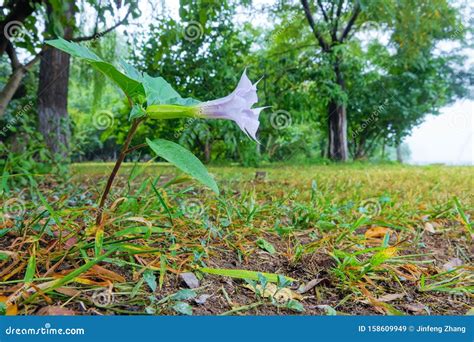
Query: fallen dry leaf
(106, 274)
(55, 311)
(271, 290)
(387, 298)
(452, 264)
(308, 286)
(377, 232)
(202, 299)
(68, 291)
(189, 279)
(416, 307)
(429, 228)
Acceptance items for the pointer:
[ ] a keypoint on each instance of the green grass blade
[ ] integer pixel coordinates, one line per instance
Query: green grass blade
(243, 274)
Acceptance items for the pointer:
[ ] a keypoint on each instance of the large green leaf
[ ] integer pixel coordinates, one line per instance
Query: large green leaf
(183, 160)
(131, 71)
(158, 91)
(136, 86)
(130, 86)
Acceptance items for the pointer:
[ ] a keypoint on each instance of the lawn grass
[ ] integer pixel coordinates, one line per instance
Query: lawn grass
(354, 239)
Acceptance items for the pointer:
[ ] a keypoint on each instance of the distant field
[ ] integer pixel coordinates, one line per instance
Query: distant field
(355, 239)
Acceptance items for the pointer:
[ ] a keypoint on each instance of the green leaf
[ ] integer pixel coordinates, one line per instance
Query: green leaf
(136, 112)
(162, 201)
(30, 269)
(131, 87)
(78, 271)
(242, 274)
(464, 217)
(3, 308)
(330, 311)
(386, 240)
(265, 245)
(295, 305)
(184, 294)
(131, 71)
(150, 279)
(161, 279)
(4, 256)
(158, 91)
(140, 230)
(183, 160)
(183, 308)
(99, 242)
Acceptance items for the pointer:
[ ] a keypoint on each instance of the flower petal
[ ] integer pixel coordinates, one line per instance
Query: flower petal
(248, 122)
(237, 106)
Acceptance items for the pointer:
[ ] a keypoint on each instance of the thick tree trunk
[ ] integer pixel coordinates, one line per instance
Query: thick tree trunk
(52, 101)
(54, 121)
(337, 126)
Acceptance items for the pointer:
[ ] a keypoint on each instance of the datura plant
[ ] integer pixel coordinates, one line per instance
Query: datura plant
(152, 98)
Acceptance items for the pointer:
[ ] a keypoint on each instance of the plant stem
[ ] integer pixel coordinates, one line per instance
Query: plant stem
(118, 163)
(134, 148)
(242, 308)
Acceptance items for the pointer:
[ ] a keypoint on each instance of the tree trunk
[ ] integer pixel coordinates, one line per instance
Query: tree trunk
(399, 153)
(383, 148)
(337, 126)
(52, 94)
(360, 149)
(337, 123)
(207, 151)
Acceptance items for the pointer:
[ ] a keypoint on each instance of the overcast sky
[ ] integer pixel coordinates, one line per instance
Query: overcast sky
(446, 138)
